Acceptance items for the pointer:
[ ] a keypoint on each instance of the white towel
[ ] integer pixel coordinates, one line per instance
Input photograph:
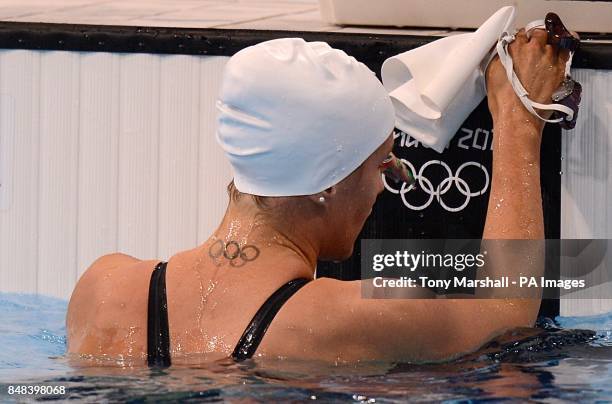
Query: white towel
(435, 87)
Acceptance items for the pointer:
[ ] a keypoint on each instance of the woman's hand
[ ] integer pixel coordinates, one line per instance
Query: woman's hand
(540, 68)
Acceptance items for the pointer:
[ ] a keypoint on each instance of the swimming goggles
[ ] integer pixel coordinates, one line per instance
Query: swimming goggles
(566, 99)
(397, 170)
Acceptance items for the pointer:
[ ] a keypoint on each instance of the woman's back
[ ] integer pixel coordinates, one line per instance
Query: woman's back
(209, 307)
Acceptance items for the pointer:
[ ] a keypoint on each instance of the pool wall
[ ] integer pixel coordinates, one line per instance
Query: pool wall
(105, 150)
(586, 184)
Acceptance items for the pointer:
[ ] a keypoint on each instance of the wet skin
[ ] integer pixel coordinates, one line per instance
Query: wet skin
(210, 301)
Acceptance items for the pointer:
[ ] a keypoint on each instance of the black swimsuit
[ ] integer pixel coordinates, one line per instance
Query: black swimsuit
(158, 335)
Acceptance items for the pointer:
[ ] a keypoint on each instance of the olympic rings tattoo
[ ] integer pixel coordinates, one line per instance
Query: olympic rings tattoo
(220, 250)
(236, 252)
(245, 256)
(237, 256)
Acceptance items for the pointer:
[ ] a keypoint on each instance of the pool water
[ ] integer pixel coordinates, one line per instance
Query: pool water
(554, 365)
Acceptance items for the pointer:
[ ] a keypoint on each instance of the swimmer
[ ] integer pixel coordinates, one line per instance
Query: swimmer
(308, 132)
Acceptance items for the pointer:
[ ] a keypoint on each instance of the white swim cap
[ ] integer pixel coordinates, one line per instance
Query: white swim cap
(297, 117)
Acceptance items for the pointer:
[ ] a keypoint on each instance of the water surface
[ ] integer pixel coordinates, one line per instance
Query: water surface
(545, 366)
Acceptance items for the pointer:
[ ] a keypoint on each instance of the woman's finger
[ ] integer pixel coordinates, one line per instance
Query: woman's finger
(521, 36)
(564, 55)
(539, 36)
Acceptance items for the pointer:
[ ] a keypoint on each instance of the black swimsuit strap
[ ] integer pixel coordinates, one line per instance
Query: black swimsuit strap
(158, 334)
(254, 333)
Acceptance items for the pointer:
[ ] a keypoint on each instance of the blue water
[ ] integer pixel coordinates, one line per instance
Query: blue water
(555, 366)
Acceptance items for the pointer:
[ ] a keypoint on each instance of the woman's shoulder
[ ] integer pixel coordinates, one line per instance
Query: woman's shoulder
(113, 260)
(314, 323)
(110, 295)
(110, 268)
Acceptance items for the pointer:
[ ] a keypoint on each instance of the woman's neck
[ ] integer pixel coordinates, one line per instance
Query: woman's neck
(247, 233)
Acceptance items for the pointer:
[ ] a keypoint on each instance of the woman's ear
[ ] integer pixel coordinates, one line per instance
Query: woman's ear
(324, 196)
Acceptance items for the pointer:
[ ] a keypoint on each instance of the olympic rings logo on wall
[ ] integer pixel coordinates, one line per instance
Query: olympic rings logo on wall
(426, 186)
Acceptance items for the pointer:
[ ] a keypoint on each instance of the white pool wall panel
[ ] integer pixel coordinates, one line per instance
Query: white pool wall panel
(586, 185)
(111, 152)
(587, 161)
(20, 85)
